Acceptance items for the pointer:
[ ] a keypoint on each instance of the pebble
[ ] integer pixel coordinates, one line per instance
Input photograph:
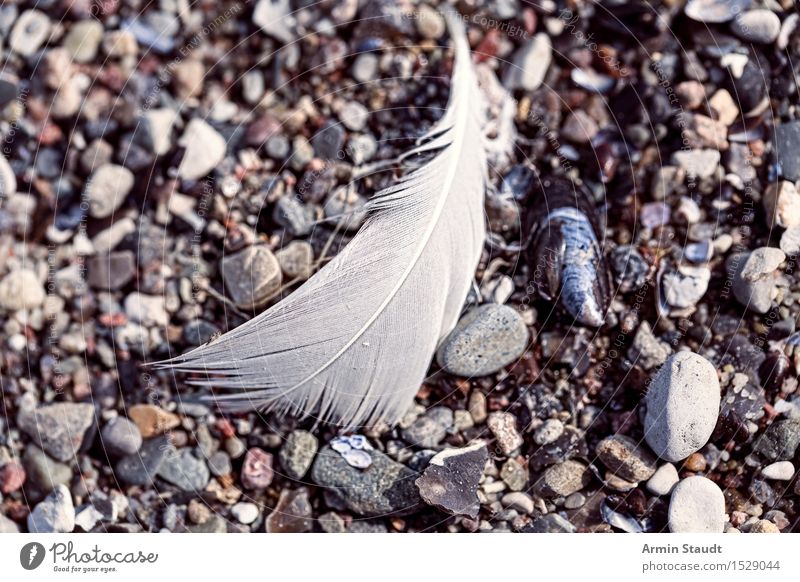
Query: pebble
(700, 163)
(354, 116)
(430, 23)
(760, 26)
(579, 127)
(519, 501)
(647, 350)
(754, 277)
(58, 428)
(384, 487)
(112, 271)
(12, 477)
(780, 441)
(141, 467)
(219, 463)
(715, 11)
(292, 513)
(450, 481)
(274, 17)
(330, 522)
(514, 474)
(503, 426)
(780, 471)
(429, 429)
(245, 513)
(252, 276)
(107, 189)
(294, 216)
(187, 78)
(485, 340)
(790, 241)
(21, 289)
(296, 260)
(185, 470)
(121, 437)
(782, 204)
(625, 458)
(763, 526)
(564, 479)
(152, 420)
(298, 453)
(83, 40)
(157, 127)
(257, 472)
(43, 472)
(56, 514)
(8, 181)
(365, 67)
(683, 403)
(663, 480)
(787, 144)
(697, 505)
(329, 141)
(87, 517)
(204, 150)
(29, 33)
(550, 523)
(529, 64)
(551, 429)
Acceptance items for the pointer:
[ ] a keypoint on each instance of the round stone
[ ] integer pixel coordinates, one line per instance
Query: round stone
(21, 290)
(682, 406)
(121, 437)
(245, 513)
(107, 189)
(697, 505)
(484, 341)
(760, 26)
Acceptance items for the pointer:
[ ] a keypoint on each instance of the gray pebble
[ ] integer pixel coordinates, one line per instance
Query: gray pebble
(761, 26)
(754, 277)
(121, 437)
(107, 189)
(485, 340)
(204, 150)
(450, 481)
(56, 514)
(625, 458)
(714, 11)
(252, 276)
(354, 115)
(58, 428)
(564, 479)
(294, 216)
(298, 453)
(365, 67)
(21, 289)
(43, 472)
(141, 468)
(780, 441)
(787, 144)
(663, 480)
(429, 429)
(682, 406)
(530, 64)
(185, 470)
(219, 464)
(697, 505)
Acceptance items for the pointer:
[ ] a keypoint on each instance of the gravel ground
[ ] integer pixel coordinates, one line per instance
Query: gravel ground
(170, 169)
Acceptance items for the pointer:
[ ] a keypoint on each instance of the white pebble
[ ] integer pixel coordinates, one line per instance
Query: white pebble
(245, 513)
(663, 480)
(697, 505)
(780, 471)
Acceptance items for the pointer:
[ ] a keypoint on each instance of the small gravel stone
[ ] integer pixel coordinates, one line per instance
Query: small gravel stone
(485, 340)
(245, 513)
(7, 526)
(780, 471)
(790, 241)
(384, 487)
(56, 514)
(647, 350)
(329, 141)
(514, 474)
(697, 162)
(503, 426)
(623, 456)
(107, 189)
(715, 11)
(682, 406)
(157, 126)
(365, 67)
(549, 432)
(530, 64)
(298, 453)
(294, 216)
(292, 513)
(185, 470)
(579, 127)
(141, 467)
(782, 204)
(697, 505)
(450, 481)
(252, 276)
(58, 428)
(8, 181)
(430, 23)
(29, 33)
(761, 26)
(787, 144)
(83, 40)
(257, 472)
(754, 277)
(763, 526)
(780, 441)
(204, 150)
(12, 477)
(219, 463)
(21, 289)
(121, 437)
(274, 18)
(87, 517)
(519, 501)
(663, 480)
(354, 116)
(152, 420)
(564, 479)
(296, 260)
(429, 430)
(112, 271)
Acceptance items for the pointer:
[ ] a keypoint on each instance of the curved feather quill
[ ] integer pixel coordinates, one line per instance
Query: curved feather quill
(352, 345)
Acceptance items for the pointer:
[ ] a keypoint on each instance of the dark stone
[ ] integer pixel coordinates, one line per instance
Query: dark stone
(787, 144)
(780, 441)
(112, 271)
(292, 514)
(140, 468)
(450, 482)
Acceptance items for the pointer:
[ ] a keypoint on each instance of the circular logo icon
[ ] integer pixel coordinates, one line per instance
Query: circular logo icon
(31, 555)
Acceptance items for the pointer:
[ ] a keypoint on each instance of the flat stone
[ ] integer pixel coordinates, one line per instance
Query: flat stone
(204, 150)
(142, 467)
(451, 479)
(385, 487)
(503, 426)
(294, 216)
(529, 64)
(252, 276)
(354, 116)
(697, 505)
(700, 163)
(157, 125)
(663, 480)
(257, 472)
(107, 189)
(329, 141)
(298, 453)
(185, 470)
(484, 341)
(121, 437)
(760, 26)
(56, 514)
(59, 428)
(429, 429)
(292, 513)
(112, 271)
(625, 458)
(564, 479)
(219, 463)
(43, 472)
(715, 11)
(152, 420)
(21, 289)
(683, 403)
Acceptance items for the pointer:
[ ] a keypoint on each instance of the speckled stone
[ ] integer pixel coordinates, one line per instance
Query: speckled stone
(625, 458)
(58, 428)
(450, 481)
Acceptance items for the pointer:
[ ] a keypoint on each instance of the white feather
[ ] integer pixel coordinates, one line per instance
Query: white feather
(353, 344)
